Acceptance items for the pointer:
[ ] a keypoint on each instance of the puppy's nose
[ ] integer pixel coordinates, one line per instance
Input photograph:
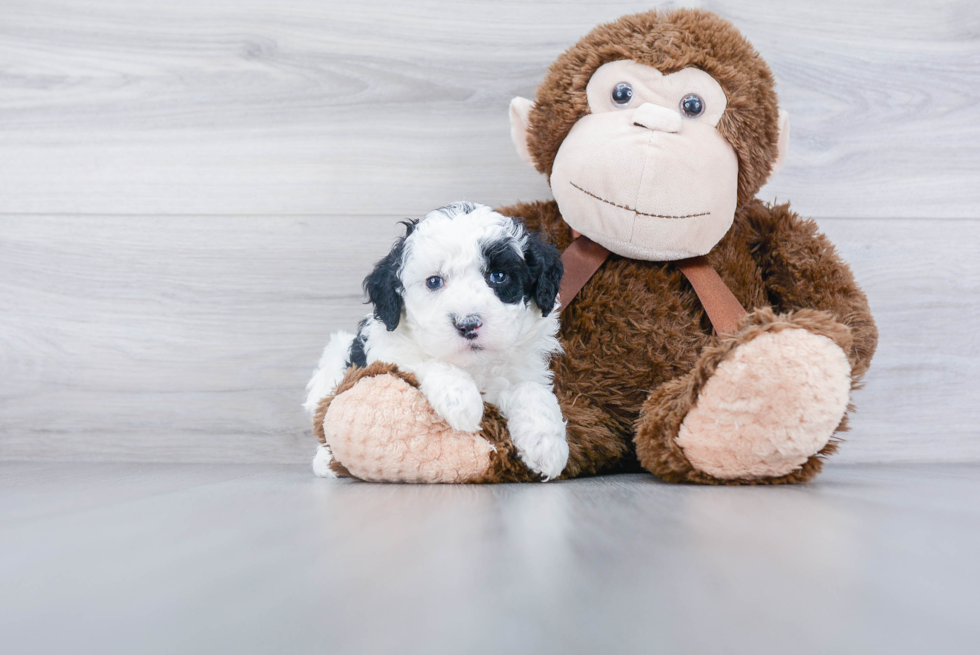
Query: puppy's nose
(467, 325)
(657, 118)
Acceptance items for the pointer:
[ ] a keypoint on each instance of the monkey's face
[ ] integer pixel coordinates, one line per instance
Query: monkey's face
(646, 173)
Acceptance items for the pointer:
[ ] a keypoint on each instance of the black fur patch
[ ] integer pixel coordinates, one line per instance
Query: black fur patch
(410, 224)
(544, 262)
(500, 257)
(356, 355)
(536, 276)
(383, 288)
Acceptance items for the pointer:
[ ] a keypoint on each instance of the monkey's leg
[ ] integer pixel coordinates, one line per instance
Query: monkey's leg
(379, 427)
(760, 406)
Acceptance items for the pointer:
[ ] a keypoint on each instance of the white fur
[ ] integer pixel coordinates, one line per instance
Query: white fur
(536, 427)
(507, 365)
(452, 392)
(330, 370)
(321, 462)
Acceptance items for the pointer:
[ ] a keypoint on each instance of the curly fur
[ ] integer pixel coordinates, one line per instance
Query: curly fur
(638, 344)
(466, 301)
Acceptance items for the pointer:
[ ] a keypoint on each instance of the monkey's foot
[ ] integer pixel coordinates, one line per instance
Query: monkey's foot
(759, 406)
(379, 427)
(770, 405)
(383, 430)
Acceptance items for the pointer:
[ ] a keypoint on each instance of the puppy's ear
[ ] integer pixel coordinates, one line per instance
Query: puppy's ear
(410, 225)
(544, 264)
(384, 288)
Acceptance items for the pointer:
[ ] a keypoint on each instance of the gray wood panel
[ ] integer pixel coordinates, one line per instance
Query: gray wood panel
(190, 339)
(159, 338)
(312, 107)
(128, 558)
(190, 194)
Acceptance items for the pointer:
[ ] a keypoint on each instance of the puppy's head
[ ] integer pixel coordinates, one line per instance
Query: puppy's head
(465, 280)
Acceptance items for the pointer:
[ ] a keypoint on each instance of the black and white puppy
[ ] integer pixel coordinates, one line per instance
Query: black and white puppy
(467, 300)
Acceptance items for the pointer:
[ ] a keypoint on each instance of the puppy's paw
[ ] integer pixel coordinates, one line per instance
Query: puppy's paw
(456, 399)
(321, 463)
(541, 445)
(537, 428)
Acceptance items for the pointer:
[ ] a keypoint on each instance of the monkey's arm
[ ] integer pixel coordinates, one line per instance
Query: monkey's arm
(802, 270)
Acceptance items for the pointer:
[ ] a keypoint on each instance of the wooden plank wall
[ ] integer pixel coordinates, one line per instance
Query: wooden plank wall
(191, 192)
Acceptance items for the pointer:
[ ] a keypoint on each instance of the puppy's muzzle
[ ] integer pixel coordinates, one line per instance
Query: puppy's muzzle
(467, 326)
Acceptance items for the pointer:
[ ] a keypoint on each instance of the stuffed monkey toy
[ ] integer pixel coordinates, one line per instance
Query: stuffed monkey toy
(709, 337)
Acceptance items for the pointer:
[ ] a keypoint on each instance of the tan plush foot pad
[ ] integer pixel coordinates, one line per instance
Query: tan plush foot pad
(771, 404)
(383, 430)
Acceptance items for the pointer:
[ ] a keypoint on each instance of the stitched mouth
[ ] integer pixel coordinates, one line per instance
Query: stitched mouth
(631, 209)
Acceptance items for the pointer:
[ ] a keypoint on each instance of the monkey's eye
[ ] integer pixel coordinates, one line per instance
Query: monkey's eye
(434, 282)
(692, 105)
(498, 277)
(622, 94)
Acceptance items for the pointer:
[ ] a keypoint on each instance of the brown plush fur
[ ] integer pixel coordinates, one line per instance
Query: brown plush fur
(638, 344)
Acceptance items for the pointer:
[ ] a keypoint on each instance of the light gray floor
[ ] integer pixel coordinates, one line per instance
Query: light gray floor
(177, 558)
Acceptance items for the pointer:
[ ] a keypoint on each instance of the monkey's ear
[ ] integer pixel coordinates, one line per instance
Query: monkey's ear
(782, 145)
(520, 108)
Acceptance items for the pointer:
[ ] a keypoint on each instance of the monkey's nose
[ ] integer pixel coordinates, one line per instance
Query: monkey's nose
(657, 118)
(467, 325)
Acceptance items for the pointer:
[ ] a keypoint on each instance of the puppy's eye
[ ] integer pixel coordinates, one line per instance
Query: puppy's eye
(692, 105)
(498, 277)
(434, 282)
(622, 94)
